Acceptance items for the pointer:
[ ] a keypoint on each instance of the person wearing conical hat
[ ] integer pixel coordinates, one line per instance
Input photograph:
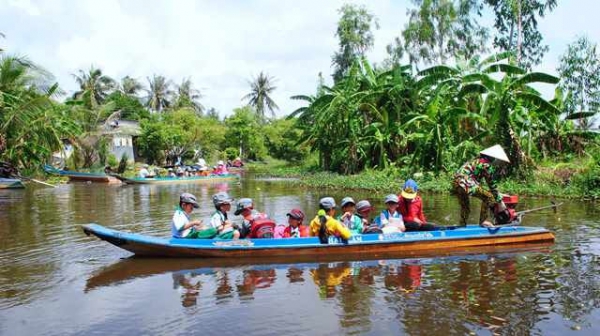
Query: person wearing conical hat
(469, 178)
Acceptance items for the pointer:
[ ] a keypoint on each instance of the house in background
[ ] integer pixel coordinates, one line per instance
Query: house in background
(121, 136)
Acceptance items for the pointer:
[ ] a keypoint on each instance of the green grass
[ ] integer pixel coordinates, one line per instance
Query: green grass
(567, 180)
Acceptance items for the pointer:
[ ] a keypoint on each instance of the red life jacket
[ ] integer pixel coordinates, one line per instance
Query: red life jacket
(303, 230)
(262, 228)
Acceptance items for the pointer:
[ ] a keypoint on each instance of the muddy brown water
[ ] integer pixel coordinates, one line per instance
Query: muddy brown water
(54, 280)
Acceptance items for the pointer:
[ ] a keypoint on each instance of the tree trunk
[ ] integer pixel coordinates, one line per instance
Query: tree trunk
(519, 31)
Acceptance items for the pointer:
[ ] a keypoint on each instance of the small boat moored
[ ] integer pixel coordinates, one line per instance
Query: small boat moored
(401, 244)
(178, 180)
(81, 177)
(10, 183)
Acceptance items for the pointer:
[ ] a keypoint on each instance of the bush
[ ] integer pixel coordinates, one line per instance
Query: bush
(112, 160)
(231, 153)
(123, 164)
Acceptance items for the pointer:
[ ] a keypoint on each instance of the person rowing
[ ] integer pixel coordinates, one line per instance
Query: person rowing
(468, 182)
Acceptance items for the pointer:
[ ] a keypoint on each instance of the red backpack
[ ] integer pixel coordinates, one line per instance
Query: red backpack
(262, 228)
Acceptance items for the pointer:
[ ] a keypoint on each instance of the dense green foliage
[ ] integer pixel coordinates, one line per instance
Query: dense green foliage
(27, 139)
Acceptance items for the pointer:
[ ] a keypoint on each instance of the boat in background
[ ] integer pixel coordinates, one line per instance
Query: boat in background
(10, 183)
(401, 244)
(178, 180)
(82, 177)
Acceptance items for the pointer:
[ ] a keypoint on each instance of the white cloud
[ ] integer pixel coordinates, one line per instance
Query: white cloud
(219, 44)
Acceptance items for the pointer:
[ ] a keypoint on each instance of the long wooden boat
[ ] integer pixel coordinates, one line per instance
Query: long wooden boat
(81, 177)
(401, 244)
(9, 183)
(178, 180)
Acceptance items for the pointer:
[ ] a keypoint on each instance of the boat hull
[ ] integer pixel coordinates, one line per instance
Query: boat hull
(82, 177)
(182, 180)
(7, 183)
(399, 244)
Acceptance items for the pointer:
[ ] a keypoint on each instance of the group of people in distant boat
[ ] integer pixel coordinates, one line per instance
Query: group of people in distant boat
(403, 211)
(185, 171)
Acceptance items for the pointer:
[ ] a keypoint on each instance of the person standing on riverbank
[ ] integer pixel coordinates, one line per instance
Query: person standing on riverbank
(468, 182)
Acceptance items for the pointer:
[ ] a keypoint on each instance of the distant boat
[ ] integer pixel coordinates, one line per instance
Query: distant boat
(178, 180)
(10, 183)
(81, 177)
(402, 244)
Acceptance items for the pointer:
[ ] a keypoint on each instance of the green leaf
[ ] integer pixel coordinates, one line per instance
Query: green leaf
(580, 115)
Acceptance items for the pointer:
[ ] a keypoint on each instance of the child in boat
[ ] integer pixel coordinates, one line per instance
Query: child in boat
(363, 211)
(143, 173)
(324, 225)
(219, 221)
(411, 208)
(390, 219)
(251, 218)
(182, 226)
(348, 218)
(295, 228)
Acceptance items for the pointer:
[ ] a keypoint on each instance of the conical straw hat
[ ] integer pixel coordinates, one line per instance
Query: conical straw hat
(497, 152)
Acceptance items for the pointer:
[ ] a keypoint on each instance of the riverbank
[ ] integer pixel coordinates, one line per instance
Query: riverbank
(575, 180)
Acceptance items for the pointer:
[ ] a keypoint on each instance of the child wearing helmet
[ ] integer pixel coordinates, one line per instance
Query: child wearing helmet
(410, 206)
(324, 225)
(295, 229)
(348, 217)
(219, 220)
(250, 217)
(181, 224)
(390, 217)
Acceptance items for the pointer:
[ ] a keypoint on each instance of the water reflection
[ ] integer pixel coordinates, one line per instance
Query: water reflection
(506, 293)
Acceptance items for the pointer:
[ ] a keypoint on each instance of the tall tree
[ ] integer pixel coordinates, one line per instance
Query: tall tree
(188, 97)
(131, 86)
(439, 30)
(516, 23)
(32, 124)
(159, 93)
(355, 37)
(261, 89)
(579, 70)
(94, 86)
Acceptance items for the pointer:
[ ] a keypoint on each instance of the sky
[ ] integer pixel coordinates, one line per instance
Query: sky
(222, 45)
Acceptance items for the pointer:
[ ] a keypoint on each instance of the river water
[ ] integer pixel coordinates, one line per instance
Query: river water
(54, 280)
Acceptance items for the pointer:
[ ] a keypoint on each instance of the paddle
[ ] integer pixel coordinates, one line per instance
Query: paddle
(553, 206)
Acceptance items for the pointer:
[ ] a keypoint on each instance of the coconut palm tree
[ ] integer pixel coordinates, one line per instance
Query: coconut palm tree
(94, 87)
(32, 124)
(159, 93)
(188, 96)
(261, 89)
(130, 86)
